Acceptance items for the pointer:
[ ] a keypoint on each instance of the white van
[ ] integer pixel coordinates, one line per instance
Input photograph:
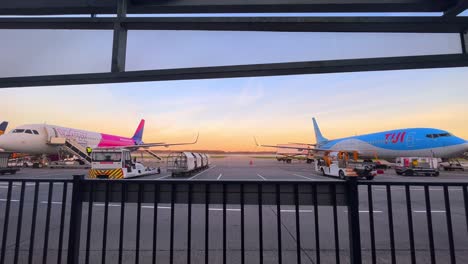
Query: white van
(409, 166)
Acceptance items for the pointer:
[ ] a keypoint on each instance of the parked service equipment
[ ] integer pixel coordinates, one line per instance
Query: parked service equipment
(186, 163)
(4, 166)
(343, 165)
(115, 163)
(452, 165)
(410, 166)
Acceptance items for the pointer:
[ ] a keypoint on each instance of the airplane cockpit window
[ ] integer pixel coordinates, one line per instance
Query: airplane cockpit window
(438, 135)
(28, 131)
(18, 131)
(35, 132)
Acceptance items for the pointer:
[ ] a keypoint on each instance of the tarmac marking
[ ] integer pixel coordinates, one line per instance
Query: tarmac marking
(11, 200)
(193, 177)
(366, 211)
(162, 177)
(432, 211)
(305, 177)
(415, 189)
(44, 202)
(293, 211)
(219, 177)
(16, 184)
(261, 177)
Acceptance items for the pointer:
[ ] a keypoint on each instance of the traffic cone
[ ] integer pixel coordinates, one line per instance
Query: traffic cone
(251, 163)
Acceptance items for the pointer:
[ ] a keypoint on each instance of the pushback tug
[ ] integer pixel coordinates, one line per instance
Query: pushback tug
(113, 163)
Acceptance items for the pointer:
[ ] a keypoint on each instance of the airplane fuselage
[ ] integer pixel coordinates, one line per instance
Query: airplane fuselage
(419, 142)
(34, 139)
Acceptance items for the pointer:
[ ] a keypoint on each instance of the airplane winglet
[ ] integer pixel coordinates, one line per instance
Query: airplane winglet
(256, 143)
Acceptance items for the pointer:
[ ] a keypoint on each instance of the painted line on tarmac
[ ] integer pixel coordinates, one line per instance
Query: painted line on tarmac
(162, 177)
(210, 209)
(366, 211)
(193, 177)
(261, 177)
(305, 177)
(11, 200)
(432, 211)
(293, 211)
(44, 202)
(415, 189)
(219, 177)
(16, 184)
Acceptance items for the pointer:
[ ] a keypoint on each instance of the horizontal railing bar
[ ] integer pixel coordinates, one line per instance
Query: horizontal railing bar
(35, 180)
(253, 23)
(440, 184)
(233, 190)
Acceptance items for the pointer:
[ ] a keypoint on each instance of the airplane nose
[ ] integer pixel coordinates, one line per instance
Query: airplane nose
(4, 143)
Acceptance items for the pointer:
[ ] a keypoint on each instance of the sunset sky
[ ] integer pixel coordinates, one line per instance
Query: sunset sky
(229, 112)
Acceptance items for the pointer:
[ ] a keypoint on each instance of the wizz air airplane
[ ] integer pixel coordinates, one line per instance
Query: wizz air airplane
(3, 127)
(34, 139)
(407, 142)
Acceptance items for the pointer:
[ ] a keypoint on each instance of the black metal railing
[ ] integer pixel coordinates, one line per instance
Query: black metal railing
(423, 195)
(173, 221)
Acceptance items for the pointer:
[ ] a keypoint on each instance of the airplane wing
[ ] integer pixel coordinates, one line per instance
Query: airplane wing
(285, 147)
(158, 144)
(307, 144)
(314, 150)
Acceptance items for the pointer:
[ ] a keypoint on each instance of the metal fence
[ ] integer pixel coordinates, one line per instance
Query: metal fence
(173, 221)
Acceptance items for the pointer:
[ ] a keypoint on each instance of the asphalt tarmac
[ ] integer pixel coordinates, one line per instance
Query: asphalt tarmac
(249, 169)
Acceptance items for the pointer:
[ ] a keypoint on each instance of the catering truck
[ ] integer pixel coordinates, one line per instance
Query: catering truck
(187, 163)
(343, 164)
(114, 163)
(4, 166)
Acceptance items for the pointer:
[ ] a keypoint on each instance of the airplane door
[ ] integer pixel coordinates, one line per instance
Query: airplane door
(51, 132)
(410, 140)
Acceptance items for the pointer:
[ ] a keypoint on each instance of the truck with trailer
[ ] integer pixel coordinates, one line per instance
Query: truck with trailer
(5, 167)
(288, 154)
(114, 163)
(413, 166)
(342, 164)
(187, 163)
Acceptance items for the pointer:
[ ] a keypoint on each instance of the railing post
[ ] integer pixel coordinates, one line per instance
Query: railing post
(353, 221)
(75, 221)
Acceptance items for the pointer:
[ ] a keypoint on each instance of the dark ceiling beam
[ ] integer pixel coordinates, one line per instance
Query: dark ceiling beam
(457, 9)
(284, 24)
(56, 7)
(252, 70)
(119, 41)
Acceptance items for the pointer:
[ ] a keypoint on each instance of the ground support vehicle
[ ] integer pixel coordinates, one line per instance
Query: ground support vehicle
(413, 166)
(69, 164)
(115, 163)
(339, 164)
(452, 165)
(4, 166)
(187, 163)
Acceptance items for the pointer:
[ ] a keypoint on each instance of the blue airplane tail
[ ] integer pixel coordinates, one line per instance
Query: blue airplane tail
(138, 136)
(3, 127)
(318, 135)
